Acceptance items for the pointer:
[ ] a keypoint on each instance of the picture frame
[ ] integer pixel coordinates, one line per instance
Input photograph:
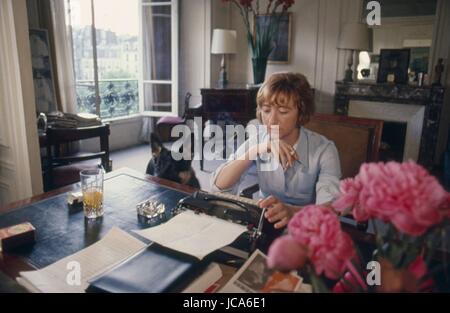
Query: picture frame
(43, 76)
(393, 66)
(281, 54)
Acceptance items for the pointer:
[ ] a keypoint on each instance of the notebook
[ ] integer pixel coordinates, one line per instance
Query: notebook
(157, 269)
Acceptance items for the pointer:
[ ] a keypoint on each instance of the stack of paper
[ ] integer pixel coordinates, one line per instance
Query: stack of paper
(72, 273)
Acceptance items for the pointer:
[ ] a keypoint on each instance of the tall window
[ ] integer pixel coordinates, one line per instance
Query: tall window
(123, 56)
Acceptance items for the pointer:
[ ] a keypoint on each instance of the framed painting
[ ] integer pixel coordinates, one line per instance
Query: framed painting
(281, 52)
(393, 67)
(44, 87)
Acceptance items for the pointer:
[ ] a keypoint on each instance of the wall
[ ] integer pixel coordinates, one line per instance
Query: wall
(194, 55)
(315, 31)
(441, 49)
(124, 133)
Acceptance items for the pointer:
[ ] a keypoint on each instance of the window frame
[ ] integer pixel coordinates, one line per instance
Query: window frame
(174, 5)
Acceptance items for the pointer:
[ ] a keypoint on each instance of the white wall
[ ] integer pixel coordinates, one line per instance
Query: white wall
(124, 133)
(315, 31)
(195, 40)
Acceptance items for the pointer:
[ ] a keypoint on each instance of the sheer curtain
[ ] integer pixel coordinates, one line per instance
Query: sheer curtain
(148, 62)
(63, 57)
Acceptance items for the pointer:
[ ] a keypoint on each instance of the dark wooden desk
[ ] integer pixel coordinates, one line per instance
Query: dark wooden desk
(61, 232)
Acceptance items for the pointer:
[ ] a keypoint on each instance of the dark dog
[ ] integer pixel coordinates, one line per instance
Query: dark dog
(164, 166)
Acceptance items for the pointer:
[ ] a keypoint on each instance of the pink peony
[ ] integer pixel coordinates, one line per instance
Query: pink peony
(404, 194)
(286, 254)
(318, 229)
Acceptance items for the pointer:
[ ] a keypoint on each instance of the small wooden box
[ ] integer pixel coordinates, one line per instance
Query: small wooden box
(17, 235)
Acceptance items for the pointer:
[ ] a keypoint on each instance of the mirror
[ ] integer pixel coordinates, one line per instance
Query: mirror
(404, 24)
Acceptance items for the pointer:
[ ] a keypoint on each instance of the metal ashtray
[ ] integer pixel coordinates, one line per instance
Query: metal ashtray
(151, 210)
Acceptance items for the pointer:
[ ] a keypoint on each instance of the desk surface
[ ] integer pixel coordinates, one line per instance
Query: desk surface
(61, 232)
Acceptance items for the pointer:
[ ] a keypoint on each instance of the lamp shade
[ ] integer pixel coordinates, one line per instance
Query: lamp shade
(224, 41)
(355, 36)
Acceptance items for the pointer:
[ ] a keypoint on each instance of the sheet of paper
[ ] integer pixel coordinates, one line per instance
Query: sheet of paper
(194, 234)
(72, 273)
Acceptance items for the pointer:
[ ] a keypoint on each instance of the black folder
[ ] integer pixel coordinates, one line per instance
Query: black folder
(156, 269)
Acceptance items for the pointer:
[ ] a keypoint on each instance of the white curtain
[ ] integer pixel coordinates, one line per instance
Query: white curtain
(149, 66)
(64, 59)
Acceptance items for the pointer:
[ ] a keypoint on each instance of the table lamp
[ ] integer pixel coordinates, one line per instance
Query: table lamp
(354, 37)
(223, 42)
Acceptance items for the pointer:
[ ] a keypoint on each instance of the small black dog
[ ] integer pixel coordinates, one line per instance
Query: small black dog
(164, 166)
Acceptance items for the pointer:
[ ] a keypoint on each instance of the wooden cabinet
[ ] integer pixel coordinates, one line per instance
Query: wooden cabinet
(234, 103)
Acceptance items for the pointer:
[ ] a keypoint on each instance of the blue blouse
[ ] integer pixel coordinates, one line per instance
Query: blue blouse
(314, 177)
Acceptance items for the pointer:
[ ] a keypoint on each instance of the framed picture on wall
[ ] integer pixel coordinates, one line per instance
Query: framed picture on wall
(281, 52)
(393, 67)
(44, 87)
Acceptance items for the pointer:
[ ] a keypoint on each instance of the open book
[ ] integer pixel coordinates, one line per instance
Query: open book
(72, 273)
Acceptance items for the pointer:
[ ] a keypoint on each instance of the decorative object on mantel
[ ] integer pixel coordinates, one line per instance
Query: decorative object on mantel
(408, 234)
(223, 42)
(394, 65)
(353, 37)
(262, 40)
(438, 72)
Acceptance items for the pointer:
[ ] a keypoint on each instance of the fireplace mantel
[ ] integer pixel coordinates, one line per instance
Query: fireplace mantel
(431, 97)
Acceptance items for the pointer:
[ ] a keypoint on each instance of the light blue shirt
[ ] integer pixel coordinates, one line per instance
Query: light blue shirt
(314, 177)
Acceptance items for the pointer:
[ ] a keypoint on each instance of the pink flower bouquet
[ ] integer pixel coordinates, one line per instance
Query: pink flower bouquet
(315, 238)
(409, 211)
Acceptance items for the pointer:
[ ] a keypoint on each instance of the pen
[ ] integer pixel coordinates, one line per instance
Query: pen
(260, 224)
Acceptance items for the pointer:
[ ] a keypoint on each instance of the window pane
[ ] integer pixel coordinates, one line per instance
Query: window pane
(119, 97)
(157, 41)
(117, 30)
(79, 18)
(158, 97)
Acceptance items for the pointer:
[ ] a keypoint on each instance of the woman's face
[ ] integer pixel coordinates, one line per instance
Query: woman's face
(285, 116)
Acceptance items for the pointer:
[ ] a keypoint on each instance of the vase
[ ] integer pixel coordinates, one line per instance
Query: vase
(259, 69)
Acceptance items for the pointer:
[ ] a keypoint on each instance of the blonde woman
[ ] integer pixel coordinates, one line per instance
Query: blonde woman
(310, 168)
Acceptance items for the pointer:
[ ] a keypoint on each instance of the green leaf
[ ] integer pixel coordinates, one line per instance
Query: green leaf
(317, 283)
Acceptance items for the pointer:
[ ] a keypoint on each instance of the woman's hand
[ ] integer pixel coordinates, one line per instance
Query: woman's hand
(283, 152)
(276, 211)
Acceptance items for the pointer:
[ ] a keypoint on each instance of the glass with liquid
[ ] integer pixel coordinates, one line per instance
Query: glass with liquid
(92, 188)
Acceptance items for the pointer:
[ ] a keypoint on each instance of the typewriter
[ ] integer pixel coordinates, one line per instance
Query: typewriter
(260, 233)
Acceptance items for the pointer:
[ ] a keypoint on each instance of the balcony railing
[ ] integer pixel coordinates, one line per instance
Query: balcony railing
(118, 97)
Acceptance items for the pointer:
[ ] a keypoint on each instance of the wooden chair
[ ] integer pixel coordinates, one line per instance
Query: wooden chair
(357, 139)
(61, 170)
(166, 123)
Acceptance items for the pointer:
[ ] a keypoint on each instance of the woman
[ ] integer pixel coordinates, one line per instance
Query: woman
(310, 168)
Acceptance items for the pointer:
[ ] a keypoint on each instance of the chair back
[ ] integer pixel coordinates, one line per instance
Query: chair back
(357, 139)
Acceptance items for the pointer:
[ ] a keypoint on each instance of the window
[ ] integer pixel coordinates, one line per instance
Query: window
(159, 87)
(125, 58)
